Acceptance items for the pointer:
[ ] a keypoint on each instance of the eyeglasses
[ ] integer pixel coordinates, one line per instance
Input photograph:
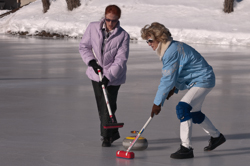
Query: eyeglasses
(149, 41)
(108, 20)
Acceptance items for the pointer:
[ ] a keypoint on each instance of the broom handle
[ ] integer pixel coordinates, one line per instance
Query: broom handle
(139, 134)
(105, 95)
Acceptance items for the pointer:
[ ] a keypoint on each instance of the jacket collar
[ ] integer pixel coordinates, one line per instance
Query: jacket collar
(162, 47)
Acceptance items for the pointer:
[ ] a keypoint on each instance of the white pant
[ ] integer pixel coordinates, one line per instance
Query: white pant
(195, 97)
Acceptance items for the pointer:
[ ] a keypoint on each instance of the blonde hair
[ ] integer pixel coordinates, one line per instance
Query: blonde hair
(156, 31)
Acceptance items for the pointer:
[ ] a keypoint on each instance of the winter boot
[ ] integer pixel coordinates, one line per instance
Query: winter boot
(106, 142)
(183, 153)
(215, 142)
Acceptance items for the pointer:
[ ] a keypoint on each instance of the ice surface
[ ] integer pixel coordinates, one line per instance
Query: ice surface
(49, 117)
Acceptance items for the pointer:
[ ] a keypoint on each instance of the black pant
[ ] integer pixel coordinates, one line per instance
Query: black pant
(112, 92)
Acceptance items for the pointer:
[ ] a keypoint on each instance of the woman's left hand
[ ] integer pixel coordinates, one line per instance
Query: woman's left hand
(104, 82)
(170, 93)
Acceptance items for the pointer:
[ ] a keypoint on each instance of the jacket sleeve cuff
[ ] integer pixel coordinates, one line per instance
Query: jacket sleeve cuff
(160, 99)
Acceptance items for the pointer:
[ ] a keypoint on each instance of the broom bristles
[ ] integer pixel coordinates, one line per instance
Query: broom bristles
(113, 125)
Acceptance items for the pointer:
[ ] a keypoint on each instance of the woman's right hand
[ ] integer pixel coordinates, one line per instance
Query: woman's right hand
(95, 66)
(155, 110)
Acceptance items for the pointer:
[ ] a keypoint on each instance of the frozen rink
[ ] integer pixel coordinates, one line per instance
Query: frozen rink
(48, 114)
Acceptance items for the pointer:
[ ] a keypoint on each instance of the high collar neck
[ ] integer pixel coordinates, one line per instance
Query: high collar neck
(162, 47)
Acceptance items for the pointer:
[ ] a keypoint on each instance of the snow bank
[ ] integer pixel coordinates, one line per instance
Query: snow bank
(190, 21)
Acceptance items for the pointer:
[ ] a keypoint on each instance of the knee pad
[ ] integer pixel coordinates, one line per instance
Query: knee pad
(183, 111)
(198, 117)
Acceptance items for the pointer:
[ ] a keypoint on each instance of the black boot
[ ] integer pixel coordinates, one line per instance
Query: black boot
(106, 142)
(215, 142)
(183, 153)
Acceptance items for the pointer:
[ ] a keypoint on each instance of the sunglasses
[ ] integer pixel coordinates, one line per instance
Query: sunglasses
(149, 41)
(108, 20)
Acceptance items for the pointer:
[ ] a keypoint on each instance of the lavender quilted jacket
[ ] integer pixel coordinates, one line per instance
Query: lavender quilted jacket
(115, 53)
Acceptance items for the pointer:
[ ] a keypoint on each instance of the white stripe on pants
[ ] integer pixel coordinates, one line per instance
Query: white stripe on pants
(195, 97)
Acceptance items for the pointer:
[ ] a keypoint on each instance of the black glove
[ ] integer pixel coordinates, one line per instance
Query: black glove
(170, 93)
(155, 110)
(104, 82)
(95, 66)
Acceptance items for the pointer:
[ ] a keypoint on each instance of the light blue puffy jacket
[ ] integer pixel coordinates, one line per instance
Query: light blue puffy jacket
(183, 68)
(114, 58)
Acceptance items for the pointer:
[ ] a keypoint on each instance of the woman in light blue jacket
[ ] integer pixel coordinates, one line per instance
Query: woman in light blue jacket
(183, 68)
(105, 46)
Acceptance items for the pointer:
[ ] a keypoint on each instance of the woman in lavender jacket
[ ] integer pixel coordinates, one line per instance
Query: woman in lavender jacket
(105, 46)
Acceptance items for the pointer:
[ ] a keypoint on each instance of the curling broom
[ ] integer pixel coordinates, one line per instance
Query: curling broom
(113, 124)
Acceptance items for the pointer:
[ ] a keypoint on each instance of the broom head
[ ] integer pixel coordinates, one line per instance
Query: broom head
(113, 125)
(125, 154)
